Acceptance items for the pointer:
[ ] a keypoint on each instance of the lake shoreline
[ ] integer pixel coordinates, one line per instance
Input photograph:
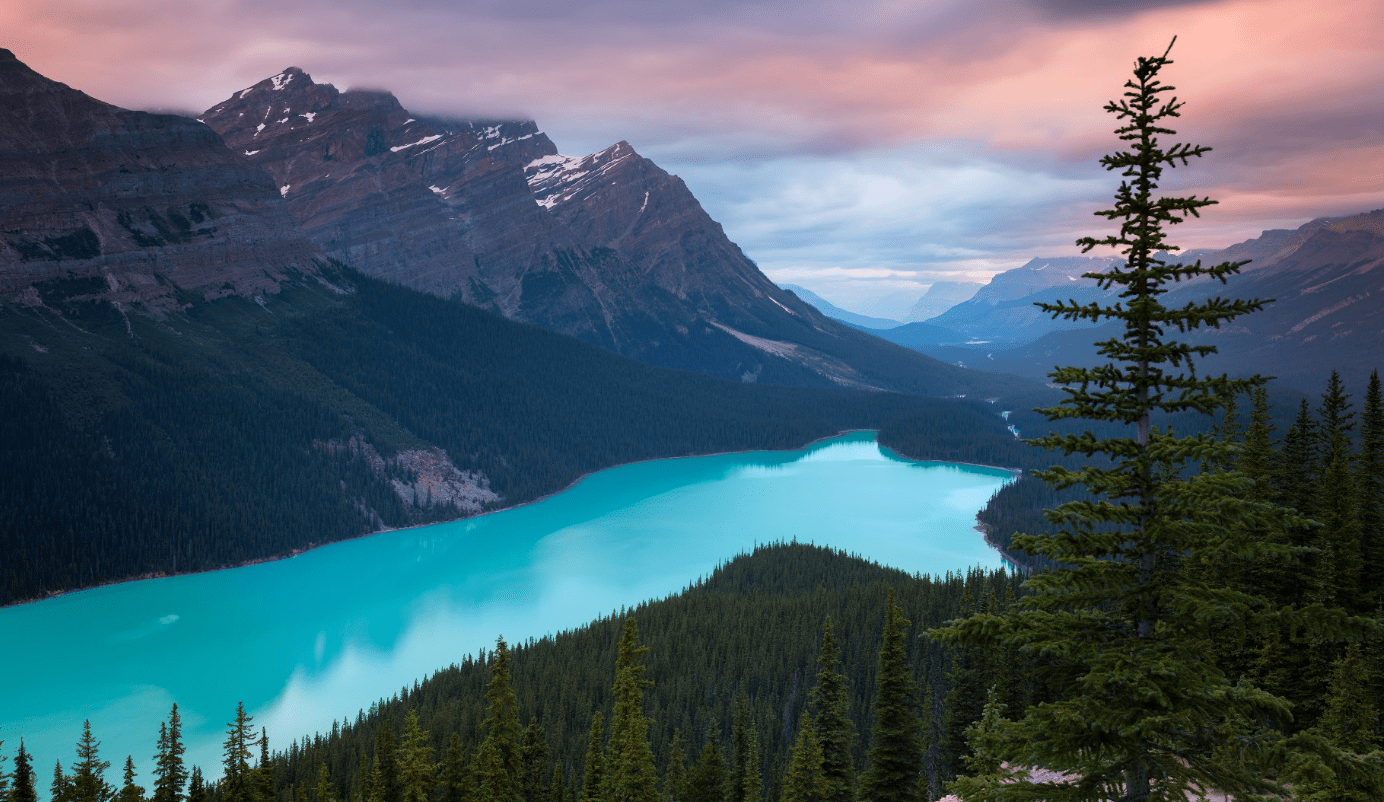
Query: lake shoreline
(1015, 472)
(984, 530)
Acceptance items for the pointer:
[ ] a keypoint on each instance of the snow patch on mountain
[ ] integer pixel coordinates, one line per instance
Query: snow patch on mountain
(555, 179)
(425, 140)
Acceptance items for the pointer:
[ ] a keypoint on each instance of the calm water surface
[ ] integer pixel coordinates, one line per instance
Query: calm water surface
(316, 637)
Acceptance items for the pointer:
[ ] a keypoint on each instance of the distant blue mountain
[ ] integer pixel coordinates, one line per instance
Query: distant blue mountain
(919, 336)
(831, 310)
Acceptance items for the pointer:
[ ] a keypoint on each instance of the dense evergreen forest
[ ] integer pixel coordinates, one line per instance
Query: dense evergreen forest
(1020, 506)
(235, 431)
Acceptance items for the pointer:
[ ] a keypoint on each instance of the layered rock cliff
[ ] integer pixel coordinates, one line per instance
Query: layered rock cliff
(128, 206)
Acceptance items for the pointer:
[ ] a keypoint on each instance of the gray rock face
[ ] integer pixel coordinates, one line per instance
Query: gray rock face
(134, 206)
(608, 247)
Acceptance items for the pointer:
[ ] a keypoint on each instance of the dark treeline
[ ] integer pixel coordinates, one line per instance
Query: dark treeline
(198, 439)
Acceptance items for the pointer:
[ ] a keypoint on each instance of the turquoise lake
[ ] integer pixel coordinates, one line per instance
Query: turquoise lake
(314, 638)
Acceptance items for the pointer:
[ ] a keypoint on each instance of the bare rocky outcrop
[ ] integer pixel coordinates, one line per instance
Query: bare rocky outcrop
(129, 206)
(424, 479)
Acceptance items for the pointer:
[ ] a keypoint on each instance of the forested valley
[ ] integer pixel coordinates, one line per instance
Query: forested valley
(233, 432)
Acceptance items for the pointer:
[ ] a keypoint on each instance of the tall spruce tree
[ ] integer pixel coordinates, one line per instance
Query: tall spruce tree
(1123, 625)
(593, 776)
(629, 764)
(170, 774)
(829, 702)
(325, 790)
(22, 788)
(675, 775)
(706, 781)
(456, 782)
(264, 780)
(384, 768)
(745, 782)
(965, 702)
(806, 779)
(985, 766)
(88, 782)
(1370, 483)
(417, 769)
(535, 782)
(498, 760)
(238, 781)
(60, 789)
(1338, 539)
(130, 791)
(196, 788)
(895, 760)
(1299, 463)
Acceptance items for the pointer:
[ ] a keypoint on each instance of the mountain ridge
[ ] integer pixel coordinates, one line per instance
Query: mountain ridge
(608, 247)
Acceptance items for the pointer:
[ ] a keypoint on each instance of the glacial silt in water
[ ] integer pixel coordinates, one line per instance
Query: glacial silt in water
(316, 637)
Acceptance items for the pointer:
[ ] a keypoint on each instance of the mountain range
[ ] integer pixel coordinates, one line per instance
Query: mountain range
(131, 207)
(835, 312)
(1319, 282)
(608, 247)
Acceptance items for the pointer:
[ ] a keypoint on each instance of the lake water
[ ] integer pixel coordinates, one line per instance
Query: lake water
(314, 638)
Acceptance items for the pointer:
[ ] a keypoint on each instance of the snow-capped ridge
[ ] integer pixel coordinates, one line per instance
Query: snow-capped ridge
(557, 178)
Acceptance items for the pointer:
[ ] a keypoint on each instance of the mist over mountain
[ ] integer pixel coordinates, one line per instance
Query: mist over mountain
(1003, 310)
(940, 297)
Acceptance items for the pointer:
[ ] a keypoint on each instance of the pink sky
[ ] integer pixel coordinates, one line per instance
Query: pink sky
(855, 148)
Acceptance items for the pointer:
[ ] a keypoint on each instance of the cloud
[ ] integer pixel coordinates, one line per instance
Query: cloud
(897, 218)
(1104, 9)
